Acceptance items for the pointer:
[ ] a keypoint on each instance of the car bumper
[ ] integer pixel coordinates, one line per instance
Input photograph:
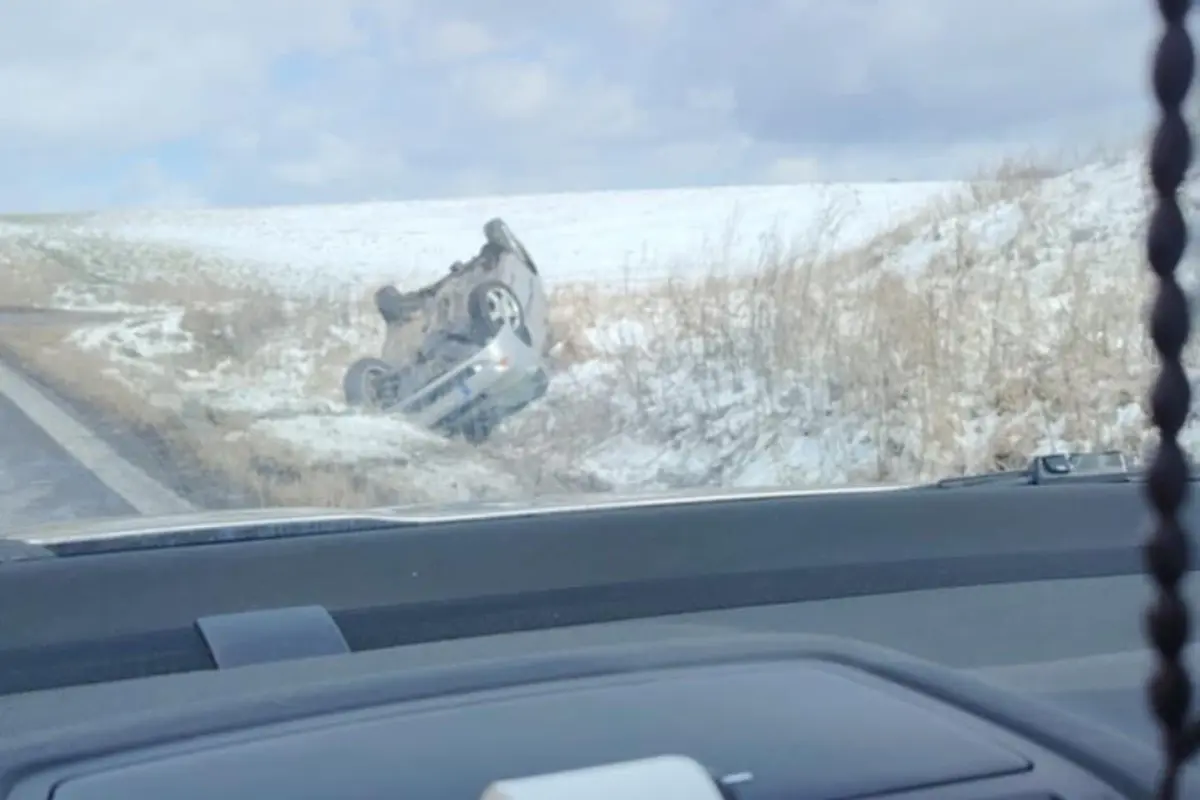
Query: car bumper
(502, 377)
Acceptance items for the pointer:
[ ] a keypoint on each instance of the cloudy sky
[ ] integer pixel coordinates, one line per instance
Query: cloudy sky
(155, 102)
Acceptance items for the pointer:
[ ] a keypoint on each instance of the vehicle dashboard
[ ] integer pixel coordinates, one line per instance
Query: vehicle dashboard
(433, 660)
(805, 716)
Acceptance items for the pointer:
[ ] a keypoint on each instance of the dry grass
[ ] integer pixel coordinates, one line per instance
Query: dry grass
(984, 358)
(199, 450)
(207, 456)
(968, 368)
(977, 361)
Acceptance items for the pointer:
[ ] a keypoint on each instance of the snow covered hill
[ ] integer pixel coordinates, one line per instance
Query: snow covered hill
(599, 237)
(833, 334)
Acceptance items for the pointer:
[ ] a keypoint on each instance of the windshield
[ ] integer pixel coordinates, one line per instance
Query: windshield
(362, 253)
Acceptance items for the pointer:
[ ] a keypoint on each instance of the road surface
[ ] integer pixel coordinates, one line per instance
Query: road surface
(40, 482)
(53, 468)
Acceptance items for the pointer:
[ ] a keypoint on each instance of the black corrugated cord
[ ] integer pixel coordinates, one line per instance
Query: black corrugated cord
(1167, 551)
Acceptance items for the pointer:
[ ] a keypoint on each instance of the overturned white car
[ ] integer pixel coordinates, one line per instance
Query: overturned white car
(463, 353)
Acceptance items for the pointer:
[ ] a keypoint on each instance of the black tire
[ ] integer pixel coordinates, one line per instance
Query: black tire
(491, 304)
(361, 383)
(391, 305)
(498, 234)
(476, 431)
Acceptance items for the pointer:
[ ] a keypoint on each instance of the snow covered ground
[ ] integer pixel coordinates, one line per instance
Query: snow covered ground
(608, 237)
(904, 331)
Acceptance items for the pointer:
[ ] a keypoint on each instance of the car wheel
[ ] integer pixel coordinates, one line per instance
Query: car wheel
(493, 305)
(498, 234)
(363, 383)
(390, 303)
(476, 431)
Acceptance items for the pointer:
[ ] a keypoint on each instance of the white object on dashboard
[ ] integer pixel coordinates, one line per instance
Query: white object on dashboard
(659, 778)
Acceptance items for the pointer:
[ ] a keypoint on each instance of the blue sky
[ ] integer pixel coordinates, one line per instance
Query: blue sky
(135, 103)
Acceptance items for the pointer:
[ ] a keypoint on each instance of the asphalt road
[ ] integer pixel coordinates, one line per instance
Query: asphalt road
(40, 482)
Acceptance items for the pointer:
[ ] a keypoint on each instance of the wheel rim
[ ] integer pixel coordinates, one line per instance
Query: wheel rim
(503, 308)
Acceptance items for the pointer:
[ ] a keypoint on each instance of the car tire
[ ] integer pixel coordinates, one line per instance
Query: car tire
(476, 431)
(391, 304)
(360, 384)
(499, 235)
(491, 305)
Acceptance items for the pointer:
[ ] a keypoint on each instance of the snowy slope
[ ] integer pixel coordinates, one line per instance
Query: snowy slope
(613, 237)
(974, 358)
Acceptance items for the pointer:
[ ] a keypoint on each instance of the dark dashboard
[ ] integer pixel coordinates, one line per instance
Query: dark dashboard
(806, 717)
(432, 659)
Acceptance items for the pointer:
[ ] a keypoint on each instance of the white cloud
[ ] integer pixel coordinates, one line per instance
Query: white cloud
(511, 91)
(599, 112)
(457, 39)
(645, 17)
(131, 72)
(131, 97)
(331, 159)
(720, 100)
(284, 100)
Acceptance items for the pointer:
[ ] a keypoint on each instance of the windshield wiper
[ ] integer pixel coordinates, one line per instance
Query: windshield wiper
(1103, 467)
(213, 527)
(17, 550)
